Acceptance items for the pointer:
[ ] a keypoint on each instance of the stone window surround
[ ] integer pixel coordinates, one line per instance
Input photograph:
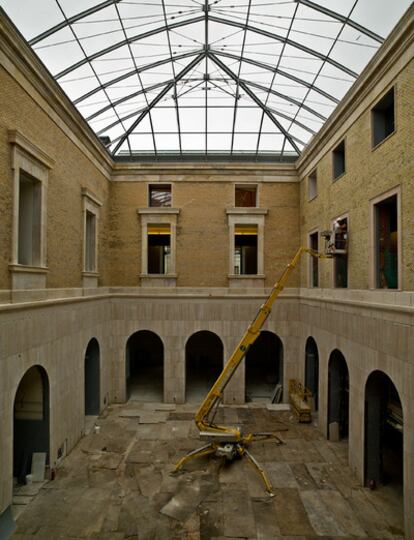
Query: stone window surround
(27, 157)
(372, 233)
(342, 216)
(157, 216)
(90, 203)
(247, 216)
(311, 259)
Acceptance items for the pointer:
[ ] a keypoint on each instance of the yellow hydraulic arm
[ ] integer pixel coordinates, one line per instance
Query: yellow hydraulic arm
(230, 441)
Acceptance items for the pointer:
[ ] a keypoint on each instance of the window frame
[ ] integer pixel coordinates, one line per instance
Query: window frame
(312, 260)
(333, 153)
(333, 285)
(152, 185)
(246, 186)
(313, 175)
(396, 191)
(91, 204)
(392, 89)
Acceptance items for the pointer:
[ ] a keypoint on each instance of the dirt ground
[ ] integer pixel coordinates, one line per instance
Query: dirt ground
(116, 484)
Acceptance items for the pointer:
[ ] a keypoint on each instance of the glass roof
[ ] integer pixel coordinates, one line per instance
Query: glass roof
(205, 78)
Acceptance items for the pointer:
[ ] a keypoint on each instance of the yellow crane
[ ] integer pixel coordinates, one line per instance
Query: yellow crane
(228, 441)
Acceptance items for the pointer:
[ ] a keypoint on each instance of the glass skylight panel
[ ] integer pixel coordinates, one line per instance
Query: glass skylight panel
(270, 71)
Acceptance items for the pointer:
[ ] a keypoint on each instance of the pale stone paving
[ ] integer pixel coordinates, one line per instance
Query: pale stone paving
(116, 485)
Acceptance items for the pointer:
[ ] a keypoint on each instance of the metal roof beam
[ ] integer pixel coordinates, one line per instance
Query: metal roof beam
(134, 72)
(71, 20)
(253, 96)
(287, 98)
(342, 19)
(286, 40)
(279, 71)
(156, 100)
(132, 39)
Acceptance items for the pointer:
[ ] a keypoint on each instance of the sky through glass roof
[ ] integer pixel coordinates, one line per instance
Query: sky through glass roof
(194, 77)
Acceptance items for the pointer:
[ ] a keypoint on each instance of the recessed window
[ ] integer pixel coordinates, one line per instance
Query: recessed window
(314, 261)
(160, 195)
(338, 160)
(29, 234)
(245, 249)
(383, 118)
(386, 243)
(312, 186)
(90, 242)
(246, 196)
(159, 249)
(340, 232)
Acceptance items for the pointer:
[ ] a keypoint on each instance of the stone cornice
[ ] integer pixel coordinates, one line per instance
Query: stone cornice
(24, 66)
(383, 63)
(18, 139)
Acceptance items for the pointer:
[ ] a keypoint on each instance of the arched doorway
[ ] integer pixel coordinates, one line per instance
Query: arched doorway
(312, 369)
(145, 366)
(264, 368)
(383, 432)
(92, 379)
(30, 421)
(338, 396)
(203, 364)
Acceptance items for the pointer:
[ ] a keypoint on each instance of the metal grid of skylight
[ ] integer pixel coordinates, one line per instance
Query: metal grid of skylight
(205, 77)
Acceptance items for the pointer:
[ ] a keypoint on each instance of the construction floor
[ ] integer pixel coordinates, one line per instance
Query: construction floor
(116, 485)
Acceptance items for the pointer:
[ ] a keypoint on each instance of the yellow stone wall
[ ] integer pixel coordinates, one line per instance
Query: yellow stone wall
(369, 173)
(72, 171)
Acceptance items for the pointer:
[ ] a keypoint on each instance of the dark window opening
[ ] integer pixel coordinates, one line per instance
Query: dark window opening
(338, 158)
(29, 220)
(246, 196)
(341, 259)
(312, 185)
(160, 195)
(312, 370)
(90, 242)
(386, 243)
(159, 249)
(245, 250)
(314, 262)
(383, 118)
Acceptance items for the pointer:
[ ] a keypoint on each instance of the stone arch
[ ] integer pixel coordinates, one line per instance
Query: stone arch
(144, 367)
(264, 367)
(203, 363)
(31, 421)
(383, 432)
(338, 396)
(92, 370)
(312, 369)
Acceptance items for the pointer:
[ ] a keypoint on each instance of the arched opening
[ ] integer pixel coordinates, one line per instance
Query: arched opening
(264, 369)
(383, 432)
(312, 369)
(203, 364)
(338, 397)
(92, 379)
(145, 366)
(31, 424)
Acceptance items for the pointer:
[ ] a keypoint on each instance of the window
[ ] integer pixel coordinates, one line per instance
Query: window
(314, 261)
(90, 242)
(340, 228)
(91, 208)
(338, 160)
(245, 196)
(30, 166)
(245, 249)
(160, 195)
(159, 249)
(29, 236)
(386, 243)
(312, 186)
(383, 118)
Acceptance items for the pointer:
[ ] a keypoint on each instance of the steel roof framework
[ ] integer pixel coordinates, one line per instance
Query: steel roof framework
(294, 88)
